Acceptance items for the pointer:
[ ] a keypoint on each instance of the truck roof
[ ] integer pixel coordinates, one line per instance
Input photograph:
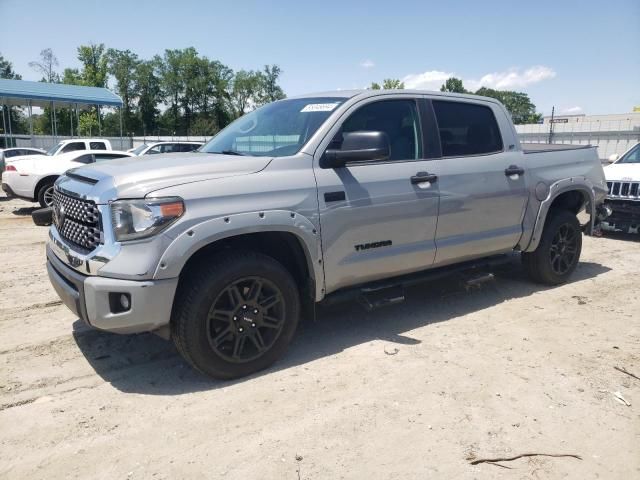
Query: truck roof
(364, 93)
(84, 140)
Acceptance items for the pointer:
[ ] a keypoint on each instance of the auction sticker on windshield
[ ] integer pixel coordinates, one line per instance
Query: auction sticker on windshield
(319, 107)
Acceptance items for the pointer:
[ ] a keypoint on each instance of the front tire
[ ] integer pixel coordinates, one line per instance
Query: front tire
(45, 195)
(558, 252)
(235, 314)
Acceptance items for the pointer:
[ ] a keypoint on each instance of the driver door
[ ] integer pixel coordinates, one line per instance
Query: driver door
(376, 221)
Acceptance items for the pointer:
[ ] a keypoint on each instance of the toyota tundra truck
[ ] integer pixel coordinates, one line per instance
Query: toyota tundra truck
(308, 200)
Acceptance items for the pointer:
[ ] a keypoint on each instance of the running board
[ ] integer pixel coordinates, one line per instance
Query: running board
(391, 291)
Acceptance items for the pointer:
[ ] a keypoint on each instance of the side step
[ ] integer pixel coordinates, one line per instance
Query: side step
(392, 291)
(378, 297)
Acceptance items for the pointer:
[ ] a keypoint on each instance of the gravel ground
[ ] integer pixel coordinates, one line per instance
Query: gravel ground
(408, 392)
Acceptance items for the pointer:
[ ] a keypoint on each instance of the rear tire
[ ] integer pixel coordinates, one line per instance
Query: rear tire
(558, 252)
(235, 314)
(45, 195)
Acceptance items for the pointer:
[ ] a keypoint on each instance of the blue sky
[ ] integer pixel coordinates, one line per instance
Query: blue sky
(581, 56)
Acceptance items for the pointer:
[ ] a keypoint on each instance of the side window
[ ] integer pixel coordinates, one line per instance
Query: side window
(97, 146)
(101, 157)
(466, 129)
(397, 118)
(153, 150)
(11, 153)
(188, 147)
(73, 146)
(170, 148)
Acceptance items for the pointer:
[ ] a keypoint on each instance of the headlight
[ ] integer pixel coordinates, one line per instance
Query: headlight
(135, 219)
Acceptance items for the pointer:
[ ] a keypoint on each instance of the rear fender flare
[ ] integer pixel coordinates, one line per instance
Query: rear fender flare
(580, 184)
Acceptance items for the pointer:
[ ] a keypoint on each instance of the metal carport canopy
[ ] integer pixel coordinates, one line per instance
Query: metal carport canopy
(41, 94)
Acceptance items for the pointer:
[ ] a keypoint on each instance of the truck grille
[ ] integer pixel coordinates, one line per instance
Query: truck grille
(624, 190)
(77, 221)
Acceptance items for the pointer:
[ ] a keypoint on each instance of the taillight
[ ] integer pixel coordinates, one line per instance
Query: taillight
(10, 168)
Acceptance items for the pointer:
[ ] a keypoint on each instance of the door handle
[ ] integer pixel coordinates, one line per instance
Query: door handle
(513, 170)
(422, 177)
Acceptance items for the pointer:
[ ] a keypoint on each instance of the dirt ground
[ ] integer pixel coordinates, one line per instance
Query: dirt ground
(408, 392)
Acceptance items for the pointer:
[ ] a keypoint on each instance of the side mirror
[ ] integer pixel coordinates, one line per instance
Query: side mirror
(365, 146)
(613, 158)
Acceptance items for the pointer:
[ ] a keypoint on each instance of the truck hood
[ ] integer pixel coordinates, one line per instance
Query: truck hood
(622, 171)
(136, 177)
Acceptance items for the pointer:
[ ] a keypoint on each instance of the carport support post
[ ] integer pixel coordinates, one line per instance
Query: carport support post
(9, 119)
(31, 122)
(99, 123)
(4, 128)
(121, 142)
(55, 124)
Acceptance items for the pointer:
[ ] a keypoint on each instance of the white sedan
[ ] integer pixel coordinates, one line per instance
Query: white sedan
(32, 178)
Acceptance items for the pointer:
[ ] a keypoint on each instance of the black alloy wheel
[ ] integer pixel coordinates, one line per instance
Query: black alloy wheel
(246, 319)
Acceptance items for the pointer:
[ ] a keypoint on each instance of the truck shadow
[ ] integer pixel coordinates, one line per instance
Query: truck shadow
(24, 211)
(149, 365)
(629, 237)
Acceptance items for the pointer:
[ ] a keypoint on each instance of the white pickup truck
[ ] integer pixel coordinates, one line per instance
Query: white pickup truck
(623, 181)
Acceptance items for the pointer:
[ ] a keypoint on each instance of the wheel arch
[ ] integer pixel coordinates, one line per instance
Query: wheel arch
(569, 194)
(43, 181)
(294, 243)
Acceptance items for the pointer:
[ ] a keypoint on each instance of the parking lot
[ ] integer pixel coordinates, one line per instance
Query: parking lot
(411, 391)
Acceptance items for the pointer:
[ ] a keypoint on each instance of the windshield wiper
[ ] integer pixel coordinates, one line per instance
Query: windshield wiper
(231, 152)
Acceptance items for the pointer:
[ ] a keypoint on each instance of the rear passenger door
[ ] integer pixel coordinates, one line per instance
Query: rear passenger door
(376, 221)
(481, 204)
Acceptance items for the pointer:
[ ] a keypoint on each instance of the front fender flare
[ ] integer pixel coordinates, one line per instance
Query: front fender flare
(212, 230)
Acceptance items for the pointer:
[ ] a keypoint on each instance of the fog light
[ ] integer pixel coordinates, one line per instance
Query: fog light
(125, 303)
(119, 302)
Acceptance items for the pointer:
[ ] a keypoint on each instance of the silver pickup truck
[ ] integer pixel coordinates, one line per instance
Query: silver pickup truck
(303, 201)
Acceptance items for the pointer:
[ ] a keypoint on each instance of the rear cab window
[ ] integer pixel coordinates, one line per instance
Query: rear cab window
(73, 146)
(466, 129)
(97, 146)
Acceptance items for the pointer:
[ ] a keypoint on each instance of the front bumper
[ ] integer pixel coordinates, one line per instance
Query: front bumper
(625, 216)
(7, 189)
(88, 297)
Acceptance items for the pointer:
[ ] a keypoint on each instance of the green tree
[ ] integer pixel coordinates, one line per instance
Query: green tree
(246, 85)
(6, 70)
(518, 104)
(13, 117)
(269, 90)
(392, 84)
(87, 124)
(46, 66)
(147, 86)
(94, 65)
(221, 79)
(123, 64)
(388, 84)
(453, 85)
(172, 81)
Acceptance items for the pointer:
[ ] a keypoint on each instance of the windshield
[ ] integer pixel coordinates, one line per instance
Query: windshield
(632, 157)
(275, 130)
(54, 149)
(137, 150)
